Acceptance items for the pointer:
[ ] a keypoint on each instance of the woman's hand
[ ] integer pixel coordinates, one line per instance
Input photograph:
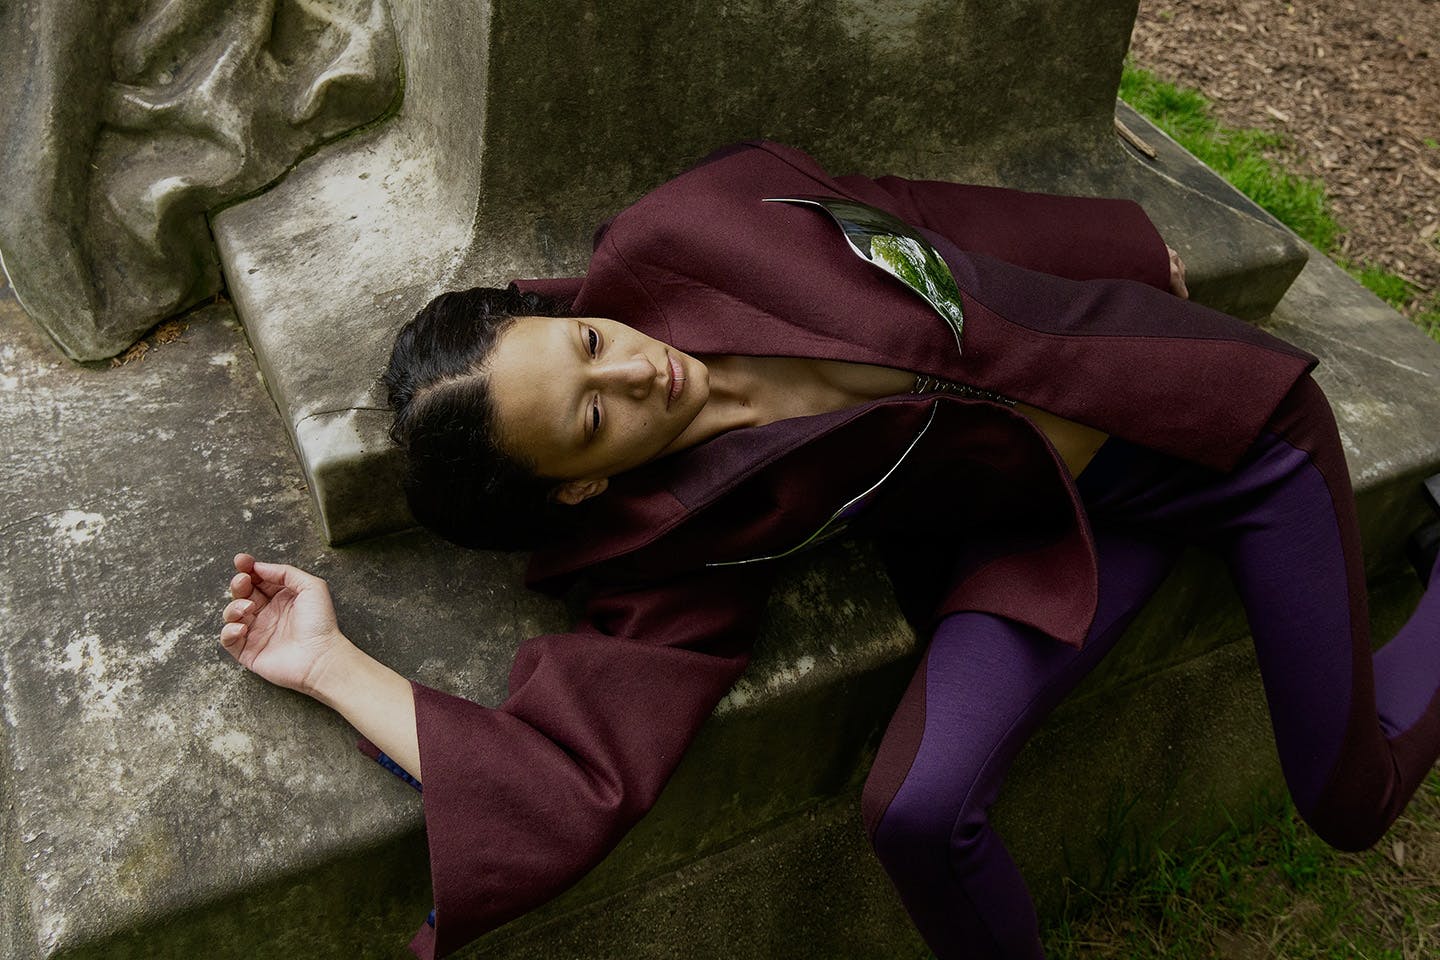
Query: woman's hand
(280, 624)
(1177, 274)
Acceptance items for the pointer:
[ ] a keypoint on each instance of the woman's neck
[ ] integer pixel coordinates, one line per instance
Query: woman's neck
(733, 402)
(753, 391)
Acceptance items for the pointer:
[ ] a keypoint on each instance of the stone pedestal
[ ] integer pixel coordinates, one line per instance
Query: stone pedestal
(124, 124)
(161, 803)
(525, 123)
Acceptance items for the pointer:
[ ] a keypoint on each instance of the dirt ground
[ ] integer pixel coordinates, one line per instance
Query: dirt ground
(1355, 86)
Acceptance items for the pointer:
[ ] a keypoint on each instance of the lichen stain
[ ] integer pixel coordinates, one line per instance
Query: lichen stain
(890, 27)
(737, 699)
(77, 526)
(1364, 412)
(86, 659)
(150, 861)
(107, 675)
(748, 689)
(236, 747)
(10, 377)
(161, 644)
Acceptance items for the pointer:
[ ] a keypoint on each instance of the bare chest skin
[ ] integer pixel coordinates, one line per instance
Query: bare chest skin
(775, 388)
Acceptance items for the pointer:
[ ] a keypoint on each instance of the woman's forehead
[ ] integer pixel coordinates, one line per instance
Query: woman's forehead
(532, 373)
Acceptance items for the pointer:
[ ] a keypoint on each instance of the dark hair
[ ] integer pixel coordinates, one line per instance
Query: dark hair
(459, 482)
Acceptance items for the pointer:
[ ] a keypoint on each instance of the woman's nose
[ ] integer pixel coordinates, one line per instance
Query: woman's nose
(635, 375)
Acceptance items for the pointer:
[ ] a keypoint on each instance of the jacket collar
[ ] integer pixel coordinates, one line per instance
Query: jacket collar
(645, 504)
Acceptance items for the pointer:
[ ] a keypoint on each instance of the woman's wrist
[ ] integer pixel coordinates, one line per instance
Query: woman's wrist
(375, 699)
(334, 671)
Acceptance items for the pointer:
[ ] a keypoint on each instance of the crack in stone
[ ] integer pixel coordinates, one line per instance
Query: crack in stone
(326, 413)
(41, 516)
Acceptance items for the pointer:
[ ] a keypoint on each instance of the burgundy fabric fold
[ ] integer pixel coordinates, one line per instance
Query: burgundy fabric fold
(521, 800)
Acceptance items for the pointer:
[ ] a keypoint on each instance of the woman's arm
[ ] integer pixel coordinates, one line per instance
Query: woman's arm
(521, 799)
(280, 625)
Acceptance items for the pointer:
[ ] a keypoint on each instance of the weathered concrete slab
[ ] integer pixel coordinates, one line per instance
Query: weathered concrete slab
(493, 169)
(160, 803)
(122, 124)
(144, 775)
(157, 799)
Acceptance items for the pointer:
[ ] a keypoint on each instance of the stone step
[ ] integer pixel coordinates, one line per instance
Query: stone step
(327, 265)
(159, 801)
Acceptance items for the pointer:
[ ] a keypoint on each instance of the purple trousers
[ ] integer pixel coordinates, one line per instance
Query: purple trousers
(1355, 735)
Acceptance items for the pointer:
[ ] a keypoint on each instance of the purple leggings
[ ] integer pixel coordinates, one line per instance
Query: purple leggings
(1355, 737)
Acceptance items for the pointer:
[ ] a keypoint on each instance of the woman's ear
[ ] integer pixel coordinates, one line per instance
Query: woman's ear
(572, 492)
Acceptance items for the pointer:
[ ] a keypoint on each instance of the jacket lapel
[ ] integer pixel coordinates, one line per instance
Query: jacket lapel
(796, 470)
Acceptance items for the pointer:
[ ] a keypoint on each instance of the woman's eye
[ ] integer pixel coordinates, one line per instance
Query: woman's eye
(593, 339)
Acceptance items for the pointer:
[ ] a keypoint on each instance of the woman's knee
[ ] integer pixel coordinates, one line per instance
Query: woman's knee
(1350, 830)
(916, 826)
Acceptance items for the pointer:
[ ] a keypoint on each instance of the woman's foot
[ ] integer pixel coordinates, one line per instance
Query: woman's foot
(1431, 489)
(1423, 547)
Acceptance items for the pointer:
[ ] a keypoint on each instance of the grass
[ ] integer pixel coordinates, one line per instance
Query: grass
(1240, 156)
(1269, 887)
(1276, 891)
(1246, 158)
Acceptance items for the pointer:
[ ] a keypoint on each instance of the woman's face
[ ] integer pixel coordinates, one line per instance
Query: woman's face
(584, 399)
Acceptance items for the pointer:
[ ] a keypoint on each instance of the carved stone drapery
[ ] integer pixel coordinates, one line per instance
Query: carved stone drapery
(125, 123)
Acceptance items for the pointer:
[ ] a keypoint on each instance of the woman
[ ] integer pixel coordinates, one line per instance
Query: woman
(1030, 470)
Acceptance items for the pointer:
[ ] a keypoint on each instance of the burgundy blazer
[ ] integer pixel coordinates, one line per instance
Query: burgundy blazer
(1066, 308)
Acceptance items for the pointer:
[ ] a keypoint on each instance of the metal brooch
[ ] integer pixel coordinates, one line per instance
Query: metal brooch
(887, 242)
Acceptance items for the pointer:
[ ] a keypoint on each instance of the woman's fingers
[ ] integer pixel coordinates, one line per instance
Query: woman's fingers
(244, 587)
(265, 579)
(279, 574)
(232, 638)
(1177, 274)
(284, 575)
(241, 586)
(237, 610)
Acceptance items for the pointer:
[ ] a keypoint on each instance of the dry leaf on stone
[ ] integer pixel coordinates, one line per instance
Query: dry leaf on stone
(135, 351)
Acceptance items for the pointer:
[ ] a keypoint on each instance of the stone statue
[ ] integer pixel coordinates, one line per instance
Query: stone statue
(124, 124)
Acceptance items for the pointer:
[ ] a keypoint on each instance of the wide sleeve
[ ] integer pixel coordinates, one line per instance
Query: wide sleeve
(521, 800)
(1079, 238)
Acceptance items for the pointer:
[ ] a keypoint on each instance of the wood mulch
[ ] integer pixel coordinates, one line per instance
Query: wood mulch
(1354, 86)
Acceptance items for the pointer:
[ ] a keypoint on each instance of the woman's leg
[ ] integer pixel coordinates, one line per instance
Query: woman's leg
(983, 687)
(1355, 738)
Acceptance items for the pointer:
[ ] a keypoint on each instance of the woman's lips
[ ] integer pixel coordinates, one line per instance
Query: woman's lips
(677, 379)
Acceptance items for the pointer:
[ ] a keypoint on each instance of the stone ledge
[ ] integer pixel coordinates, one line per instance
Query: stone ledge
(357, 238)
(1189, 746)
(293, 282)
(150, 786)
(161, 802)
